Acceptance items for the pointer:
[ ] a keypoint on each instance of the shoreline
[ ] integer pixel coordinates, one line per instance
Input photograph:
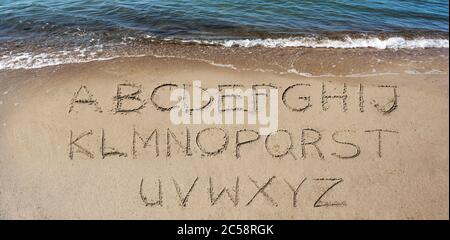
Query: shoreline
(307, 62)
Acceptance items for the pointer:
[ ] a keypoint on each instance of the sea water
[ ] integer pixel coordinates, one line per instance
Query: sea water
(79, 29)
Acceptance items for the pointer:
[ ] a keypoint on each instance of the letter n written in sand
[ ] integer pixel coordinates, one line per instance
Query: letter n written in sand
(186, 147)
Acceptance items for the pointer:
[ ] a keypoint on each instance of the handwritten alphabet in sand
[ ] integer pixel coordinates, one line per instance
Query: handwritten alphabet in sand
(199, 140)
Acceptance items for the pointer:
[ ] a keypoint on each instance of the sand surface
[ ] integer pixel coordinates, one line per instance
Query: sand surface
(380, 152)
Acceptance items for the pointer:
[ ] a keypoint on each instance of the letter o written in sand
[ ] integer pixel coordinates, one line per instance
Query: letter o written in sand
(207, 138)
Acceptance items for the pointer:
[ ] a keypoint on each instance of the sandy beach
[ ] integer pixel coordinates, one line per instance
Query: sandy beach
(363, 134)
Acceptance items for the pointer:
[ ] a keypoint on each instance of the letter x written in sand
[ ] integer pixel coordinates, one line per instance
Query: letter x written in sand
(261, 190)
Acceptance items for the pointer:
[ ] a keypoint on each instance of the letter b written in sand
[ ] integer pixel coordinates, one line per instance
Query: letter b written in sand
(128, 99)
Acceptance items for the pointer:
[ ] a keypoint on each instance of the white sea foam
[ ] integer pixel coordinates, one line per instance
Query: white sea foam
(348, 42)
(27, 60)
(30, 61)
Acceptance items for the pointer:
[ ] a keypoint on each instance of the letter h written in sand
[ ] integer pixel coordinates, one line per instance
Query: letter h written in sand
(326, 97)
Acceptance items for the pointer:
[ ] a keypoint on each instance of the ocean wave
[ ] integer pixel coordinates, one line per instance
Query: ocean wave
(31, 60)
(134, 47)
(347, 42)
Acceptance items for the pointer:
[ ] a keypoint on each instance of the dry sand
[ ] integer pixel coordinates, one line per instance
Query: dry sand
(349, 174)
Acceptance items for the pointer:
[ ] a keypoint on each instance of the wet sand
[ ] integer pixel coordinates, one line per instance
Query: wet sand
(380, 152)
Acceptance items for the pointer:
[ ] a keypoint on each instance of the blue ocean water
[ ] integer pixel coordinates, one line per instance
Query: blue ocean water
(219, 19)
(31, 27)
